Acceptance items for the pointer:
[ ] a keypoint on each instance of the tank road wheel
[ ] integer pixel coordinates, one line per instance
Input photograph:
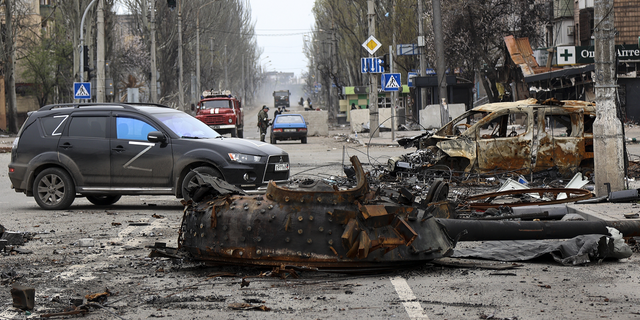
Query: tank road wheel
(103, 200)
(192, 179)
(53, 189)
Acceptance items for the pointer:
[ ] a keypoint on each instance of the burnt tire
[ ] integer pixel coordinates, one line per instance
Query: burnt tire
(432, 191)
(53, 189)
(103, 200)
(192, 179)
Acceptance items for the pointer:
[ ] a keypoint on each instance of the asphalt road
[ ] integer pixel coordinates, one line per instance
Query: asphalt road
(141, 287)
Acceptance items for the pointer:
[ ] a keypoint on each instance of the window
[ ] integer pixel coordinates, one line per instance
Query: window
(289, 119)
(507, 125)
(213, 104)
(132, 129)
(89, 127)
(560, 125)
(53, 125)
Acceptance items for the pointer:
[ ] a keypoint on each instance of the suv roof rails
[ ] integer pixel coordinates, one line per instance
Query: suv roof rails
(106, 104)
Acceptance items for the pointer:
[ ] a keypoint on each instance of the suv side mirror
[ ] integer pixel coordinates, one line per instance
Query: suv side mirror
(156, 136)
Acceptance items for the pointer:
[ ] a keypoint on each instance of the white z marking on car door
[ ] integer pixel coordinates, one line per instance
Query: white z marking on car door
(128, 164)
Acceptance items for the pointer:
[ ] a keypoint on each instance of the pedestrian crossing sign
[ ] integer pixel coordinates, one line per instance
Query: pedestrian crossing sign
(82, 90)
(391, 81)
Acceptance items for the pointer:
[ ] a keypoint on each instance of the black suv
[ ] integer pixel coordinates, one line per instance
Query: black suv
(103, 151)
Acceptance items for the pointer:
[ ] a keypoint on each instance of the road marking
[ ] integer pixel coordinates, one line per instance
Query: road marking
(413, 308)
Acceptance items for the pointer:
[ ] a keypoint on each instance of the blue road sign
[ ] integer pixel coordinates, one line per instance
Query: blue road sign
(370, 65)
(410, 76)
(82, 90)
(391, 81)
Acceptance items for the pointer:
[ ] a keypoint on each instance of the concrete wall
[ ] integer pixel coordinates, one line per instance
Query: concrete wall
(317, 122)
(358, 117)
(430, 117)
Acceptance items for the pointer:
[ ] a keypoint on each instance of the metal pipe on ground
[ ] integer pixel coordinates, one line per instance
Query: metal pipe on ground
(477, 230)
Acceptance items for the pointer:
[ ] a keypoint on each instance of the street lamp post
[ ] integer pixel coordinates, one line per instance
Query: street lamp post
(180, 93)
(198, 91)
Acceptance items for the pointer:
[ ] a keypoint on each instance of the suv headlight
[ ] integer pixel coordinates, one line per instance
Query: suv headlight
(244, 158)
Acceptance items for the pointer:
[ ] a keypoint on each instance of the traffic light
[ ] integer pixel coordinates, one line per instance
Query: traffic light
(384, 62)
(85, 57)
(171, 4)
(90, 74)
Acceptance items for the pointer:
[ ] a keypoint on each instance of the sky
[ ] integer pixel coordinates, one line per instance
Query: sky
(280, 27)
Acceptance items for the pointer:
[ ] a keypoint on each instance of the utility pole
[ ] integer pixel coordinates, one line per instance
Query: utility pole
(423, 62)
(440, 67)
(373, 83)
(10, 85)
(392, 52)
(180, 93)
(154, 68)
(608, 137)
(100, 54)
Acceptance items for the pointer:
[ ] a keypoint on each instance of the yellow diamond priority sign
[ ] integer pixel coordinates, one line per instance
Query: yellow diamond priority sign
(372, 45)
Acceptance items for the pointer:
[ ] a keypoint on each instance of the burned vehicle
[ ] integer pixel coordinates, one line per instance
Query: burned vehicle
(524, 137)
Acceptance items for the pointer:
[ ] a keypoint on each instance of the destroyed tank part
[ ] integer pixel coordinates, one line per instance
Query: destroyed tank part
(345, 230)
(475, 230)
(539, 193)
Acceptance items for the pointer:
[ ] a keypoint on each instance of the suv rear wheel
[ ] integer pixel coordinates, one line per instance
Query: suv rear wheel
(53, 189)
(103, 200)
(192, 179)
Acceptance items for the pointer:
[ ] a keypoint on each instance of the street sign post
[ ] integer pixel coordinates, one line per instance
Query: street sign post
(391, 81)
(82, 90)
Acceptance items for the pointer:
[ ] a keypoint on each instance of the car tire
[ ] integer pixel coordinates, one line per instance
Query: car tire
(273, 140)
(104, 200)
(304, 140)
(240, 133)
(193, 178)
(234, 133)
(53, 189)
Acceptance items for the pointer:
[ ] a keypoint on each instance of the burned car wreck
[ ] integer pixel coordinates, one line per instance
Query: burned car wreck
(524, 137)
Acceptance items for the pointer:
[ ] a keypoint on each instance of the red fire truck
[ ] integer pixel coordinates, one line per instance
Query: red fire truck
(222, 112)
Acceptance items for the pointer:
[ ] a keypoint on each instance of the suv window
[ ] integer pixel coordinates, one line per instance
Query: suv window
(132, 129)
(91, 127)
(53, 125)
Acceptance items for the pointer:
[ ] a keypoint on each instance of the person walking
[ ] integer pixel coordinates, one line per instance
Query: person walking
(263, 122)
(277, 112)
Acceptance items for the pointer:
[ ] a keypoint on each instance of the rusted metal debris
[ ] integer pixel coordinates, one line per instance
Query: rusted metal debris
(523, 137)
(315, 226)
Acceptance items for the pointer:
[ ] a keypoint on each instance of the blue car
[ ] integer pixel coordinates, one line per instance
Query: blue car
(289, 127)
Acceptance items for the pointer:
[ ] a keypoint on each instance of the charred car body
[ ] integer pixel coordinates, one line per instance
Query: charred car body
(525, 136)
